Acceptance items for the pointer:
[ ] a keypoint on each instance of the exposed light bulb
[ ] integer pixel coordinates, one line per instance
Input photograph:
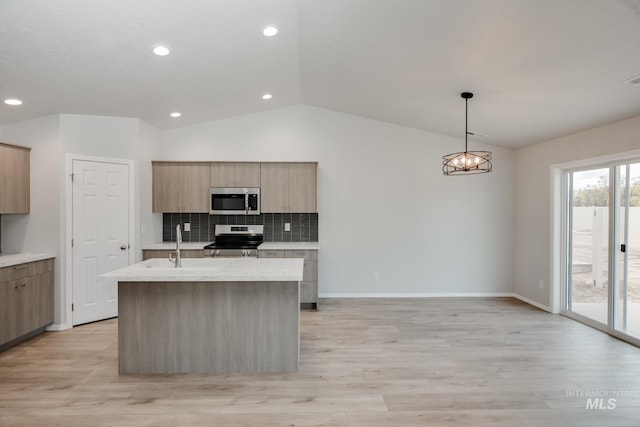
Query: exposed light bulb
(267, 96)
(176, 114)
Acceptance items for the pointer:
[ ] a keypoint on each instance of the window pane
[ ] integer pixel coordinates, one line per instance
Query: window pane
(589, 211)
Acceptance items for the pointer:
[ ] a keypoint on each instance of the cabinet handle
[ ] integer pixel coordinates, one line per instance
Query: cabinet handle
(16, 286)
(24, 285)
(20, 267)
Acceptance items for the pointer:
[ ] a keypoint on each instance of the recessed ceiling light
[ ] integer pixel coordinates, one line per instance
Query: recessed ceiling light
(267, 96)
(12, 101)
(161, 50)
(270, 30)
(176, 114)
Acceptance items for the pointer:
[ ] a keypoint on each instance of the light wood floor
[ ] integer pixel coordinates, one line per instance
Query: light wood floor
(371, 362)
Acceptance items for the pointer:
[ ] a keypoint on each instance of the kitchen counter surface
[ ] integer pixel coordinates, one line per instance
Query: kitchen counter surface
(169, 246)
(212, 270)
(294, 246)
(9, 260)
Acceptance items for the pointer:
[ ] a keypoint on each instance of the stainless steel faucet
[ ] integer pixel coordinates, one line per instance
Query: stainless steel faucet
(177, 261)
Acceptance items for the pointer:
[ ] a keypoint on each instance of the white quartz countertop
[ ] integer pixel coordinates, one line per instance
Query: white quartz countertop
(295, 246)
(9, 260)
(212, 270)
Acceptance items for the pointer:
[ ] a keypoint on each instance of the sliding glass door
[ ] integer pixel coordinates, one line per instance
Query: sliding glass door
(589, 244)
(603, 247)
(626, 252)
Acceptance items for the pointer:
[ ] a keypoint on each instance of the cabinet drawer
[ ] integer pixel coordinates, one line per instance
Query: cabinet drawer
(43, 266)
(313, 255)
(271, 253)
(16, 272)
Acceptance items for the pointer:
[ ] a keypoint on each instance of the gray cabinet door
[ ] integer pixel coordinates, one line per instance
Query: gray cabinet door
(274, 187)
(180, 187)
(9, 292)
(14, 179)
(234, 174)
(302, 187)
(288, 187)
(26, 299)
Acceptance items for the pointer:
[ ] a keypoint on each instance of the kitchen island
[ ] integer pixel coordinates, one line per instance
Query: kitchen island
(211, 315)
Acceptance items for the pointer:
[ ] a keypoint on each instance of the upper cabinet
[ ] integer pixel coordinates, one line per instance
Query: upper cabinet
(230, 174)
(288, 187)
(180, 187)
(184, 186)
(14, 179)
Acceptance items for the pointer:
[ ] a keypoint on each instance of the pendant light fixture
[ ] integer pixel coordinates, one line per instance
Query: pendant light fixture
(466, 162)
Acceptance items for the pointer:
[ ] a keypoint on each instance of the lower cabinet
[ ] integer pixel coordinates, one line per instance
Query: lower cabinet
(26, 299)
(309, 284)
(164, 253)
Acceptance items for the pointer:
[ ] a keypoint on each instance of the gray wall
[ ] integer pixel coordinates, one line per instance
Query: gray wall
(384, 204)
(51, 139)
(534, 194)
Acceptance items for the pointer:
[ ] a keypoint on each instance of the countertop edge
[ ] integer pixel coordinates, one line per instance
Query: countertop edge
(9, 260)
(212, 270)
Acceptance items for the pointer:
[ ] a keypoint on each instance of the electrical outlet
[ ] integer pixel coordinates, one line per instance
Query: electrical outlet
(287, 226)
(541, 284)
(187, 226)
(376, 275)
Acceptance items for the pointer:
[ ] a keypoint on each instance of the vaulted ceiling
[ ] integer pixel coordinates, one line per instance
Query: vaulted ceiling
(539, 68)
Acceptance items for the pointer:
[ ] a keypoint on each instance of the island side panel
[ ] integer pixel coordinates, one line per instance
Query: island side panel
(206, 327)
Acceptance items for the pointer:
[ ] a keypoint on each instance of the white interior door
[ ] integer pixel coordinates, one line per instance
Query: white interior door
(100, 236)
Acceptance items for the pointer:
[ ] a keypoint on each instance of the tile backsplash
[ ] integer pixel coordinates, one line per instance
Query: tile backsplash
(304, 226)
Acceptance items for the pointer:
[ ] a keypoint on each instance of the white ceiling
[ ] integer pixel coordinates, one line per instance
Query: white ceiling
(539, 68)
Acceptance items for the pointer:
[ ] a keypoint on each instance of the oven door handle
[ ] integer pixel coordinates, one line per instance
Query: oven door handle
(246, 203)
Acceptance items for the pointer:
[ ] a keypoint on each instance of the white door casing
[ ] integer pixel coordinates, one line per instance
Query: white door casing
(100, 236)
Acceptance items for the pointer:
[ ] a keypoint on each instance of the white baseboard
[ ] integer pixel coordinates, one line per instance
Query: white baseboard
(533, 303)
(58, 327)
(442, 295)
(63, 326)
(421, 295)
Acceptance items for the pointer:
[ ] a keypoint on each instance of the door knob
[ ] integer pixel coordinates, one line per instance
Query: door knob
(123, 247)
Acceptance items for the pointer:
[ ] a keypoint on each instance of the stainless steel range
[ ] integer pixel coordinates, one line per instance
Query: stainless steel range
(236, 241)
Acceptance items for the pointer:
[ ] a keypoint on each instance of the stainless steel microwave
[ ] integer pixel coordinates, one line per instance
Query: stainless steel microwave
(234, 201)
